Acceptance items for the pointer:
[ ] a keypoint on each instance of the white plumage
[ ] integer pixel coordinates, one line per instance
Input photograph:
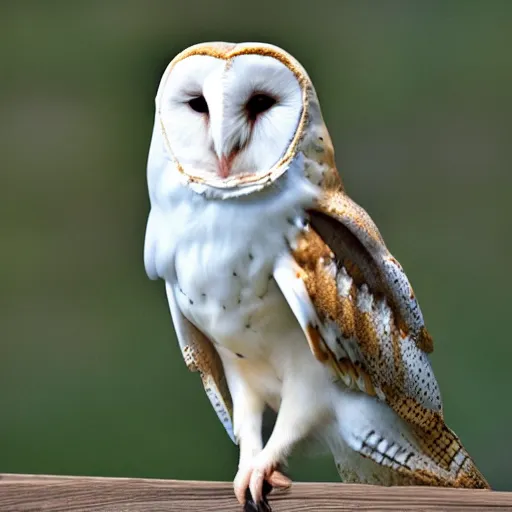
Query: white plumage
(239, 159)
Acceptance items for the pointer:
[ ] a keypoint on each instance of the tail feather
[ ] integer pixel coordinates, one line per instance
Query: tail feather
(397, 452)
(444, 449)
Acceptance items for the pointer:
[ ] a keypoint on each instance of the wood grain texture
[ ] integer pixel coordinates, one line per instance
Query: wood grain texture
(60, 493)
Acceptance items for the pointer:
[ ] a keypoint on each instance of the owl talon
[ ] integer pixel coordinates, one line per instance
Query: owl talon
(255, 481)
(263, 505)
(256, 484)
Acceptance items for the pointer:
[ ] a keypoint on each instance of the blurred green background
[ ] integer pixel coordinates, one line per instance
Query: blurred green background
(417, 96)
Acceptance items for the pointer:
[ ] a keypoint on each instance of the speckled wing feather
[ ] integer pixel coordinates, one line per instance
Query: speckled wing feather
(200, 356)
(360, 316)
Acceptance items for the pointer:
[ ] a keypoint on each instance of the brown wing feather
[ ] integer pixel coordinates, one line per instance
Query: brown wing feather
(200, 356)
(360, 291)
(350, 232)
(369, 343)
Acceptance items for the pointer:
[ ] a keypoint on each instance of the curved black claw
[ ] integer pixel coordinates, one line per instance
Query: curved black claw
(263, 505)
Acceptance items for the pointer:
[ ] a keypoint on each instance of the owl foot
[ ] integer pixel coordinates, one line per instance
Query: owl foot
(253, 478)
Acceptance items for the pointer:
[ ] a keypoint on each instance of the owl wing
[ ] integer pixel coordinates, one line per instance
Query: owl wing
(200, 356)
(361, 318)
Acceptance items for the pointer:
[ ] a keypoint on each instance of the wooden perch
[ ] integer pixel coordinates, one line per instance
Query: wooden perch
(61, 493)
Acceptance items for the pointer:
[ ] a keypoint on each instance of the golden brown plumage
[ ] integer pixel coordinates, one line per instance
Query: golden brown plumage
(342, 240)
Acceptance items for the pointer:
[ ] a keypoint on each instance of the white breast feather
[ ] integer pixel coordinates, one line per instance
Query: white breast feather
(220, 255)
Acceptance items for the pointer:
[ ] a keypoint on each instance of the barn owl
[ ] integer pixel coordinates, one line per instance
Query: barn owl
(281, 289)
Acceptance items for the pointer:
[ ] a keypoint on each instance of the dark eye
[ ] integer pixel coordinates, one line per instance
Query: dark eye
(199, 104)
(258, 104)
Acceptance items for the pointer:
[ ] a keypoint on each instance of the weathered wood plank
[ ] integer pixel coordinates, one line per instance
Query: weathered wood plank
(23, 493)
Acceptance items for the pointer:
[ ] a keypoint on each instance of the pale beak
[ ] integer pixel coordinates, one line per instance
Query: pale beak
(224, 166)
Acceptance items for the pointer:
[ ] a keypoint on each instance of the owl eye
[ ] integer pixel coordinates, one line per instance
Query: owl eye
(258, 104)
(199, 104)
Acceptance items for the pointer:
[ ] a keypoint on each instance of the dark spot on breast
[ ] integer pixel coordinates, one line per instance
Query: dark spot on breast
(239, 355)
(191, 301)
(235, 274)
(224, 308)
(203, 295)
(251, 257)
(321, 139)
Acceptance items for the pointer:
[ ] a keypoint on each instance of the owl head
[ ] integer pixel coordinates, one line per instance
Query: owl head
(233, 118)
